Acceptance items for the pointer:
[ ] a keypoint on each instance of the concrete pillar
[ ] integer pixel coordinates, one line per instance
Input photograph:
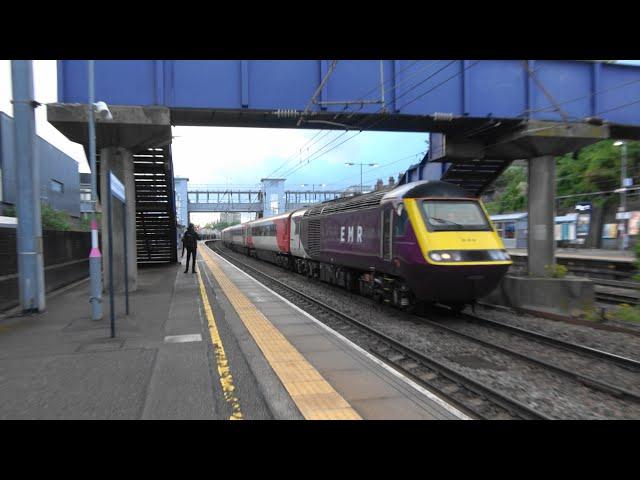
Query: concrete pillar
(541, 238)
(29, 229)
(121, 163)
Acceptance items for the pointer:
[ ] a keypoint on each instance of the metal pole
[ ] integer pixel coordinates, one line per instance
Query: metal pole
(110, 235)
(29, 229)
(623, 195)
(384, 107)
(126, 268)
(95, 257)
(361, 178)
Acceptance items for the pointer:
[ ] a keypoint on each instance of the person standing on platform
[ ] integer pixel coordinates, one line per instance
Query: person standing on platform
(190, 242)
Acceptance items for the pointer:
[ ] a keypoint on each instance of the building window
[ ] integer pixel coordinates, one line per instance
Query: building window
(56, 186)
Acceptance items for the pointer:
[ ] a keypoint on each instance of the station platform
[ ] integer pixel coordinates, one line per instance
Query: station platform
(595, 254)
(211, 345)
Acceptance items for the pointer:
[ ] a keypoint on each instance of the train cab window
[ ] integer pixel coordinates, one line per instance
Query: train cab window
(448, 215)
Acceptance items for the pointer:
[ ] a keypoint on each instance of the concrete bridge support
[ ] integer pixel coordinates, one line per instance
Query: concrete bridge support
(131, 129)
(541, 194)
(120, 161)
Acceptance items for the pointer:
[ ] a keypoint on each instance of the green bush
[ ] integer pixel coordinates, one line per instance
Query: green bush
(556, 271)
(592, 314)
(53, 219)
(626, 313)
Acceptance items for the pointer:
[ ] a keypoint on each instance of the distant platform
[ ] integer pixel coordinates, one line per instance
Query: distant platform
(620, 256)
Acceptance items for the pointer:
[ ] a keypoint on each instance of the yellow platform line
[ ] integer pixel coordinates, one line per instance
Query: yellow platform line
(224, 372)
(313, 395)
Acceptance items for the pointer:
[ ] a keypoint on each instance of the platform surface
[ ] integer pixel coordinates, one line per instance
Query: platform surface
(188, 350)
(370, 389)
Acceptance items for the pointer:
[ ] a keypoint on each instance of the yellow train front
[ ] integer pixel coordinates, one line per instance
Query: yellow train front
(445, 247)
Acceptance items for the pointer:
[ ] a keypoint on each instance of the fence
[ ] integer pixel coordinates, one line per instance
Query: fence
(65, 261)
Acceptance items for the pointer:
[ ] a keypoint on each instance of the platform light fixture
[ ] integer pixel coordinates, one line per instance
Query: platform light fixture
(351, 164)
(313, 185)
(624, 182)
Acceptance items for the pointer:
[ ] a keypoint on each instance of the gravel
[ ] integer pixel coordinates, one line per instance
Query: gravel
(620, 343)
(549, 392)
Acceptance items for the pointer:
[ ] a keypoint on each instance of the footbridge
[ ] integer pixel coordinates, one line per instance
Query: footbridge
(263, 202)
(481, 114)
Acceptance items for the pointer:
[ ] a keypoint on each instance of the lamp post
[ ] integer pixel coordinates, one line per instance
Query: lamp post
(350, 164)
(95, 257)
(623, 194)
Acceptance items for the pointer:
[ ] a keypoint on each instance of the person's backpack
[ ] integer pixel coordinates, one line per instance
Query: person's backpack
(190, 240)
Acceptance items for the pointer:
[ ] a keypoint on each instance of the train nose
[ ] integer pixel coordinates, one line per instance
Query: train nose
(475, 277)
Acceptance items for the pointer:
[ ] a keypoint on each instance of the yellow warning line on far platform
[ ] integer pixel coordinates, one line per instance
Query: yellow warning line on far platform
(313, 395)
(224, 372)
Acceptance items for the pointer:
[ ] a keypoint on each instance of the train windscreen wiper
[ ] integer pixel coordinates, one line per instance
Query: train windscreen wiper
(446, 221)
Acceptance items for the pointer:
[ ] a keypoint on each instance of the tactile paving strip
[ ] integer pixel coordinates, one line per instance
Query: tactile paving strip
(313, 395)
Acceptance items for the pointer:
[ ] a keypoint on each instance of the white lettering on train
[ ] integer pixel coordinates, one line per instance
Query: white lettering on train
(350, 234)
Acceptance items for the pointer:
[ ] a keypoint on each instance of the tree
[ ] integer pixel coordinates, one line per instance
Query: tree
(51, 218)
(595, 168)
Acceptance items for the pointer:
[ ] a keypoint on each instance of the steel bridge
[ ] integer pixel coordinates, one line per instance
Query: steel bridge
(481, 114)
(203, 198)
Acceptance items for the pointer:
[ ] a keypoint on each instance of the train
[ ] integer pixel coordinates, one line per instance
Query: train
(418, 243)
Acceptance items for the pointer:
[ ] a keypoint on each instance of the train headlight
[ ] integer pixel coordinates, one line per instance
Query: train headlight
(450, 256)
(500, 255)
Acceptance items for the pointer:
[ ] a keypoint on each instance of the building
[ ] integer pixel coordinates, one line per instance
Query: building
(180, 185)
(85, 194)
(59, 178)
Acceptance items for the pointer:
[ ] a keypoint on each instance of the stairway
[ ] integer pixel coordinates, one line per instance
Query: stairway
(475, 176)
(155, 206)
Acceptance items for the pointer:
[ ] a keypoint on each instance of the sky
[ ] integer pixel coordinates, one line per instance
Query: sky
(242, 156)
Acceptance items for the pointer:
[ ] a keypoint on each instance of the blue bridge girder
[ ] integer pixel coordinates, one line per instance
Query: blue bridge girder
(274, 93)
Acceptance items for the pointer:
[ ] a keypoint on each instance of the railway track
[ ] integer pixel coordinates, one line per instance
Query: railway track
(580, 350)
(624, 362)
(422, 369)
(472, 397)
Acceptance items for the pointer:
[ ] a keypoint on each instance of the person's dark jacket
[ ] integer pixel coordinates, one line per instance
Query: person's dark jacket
(190, 240)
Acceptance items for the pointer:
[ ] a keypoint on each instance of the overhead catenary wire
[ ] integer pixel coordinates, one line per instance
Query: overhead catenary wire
(361, 98)
(378, 167)
(382, 117)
